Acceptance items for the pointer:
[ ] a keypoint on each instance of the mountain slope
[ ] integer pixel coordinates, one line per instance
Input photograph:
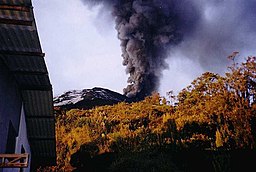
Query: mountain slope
(88, 98)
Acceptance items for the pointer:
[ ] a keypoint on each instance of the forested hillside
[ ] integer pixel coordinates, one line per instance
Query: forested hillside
(208, 125)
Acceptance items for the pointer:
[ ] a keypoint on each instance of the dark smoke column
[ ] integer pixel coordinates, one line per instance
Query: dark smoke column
(145, 29)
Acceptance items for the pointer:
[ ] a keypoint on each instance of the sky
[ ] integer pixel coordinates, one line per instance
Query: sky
(83, 51)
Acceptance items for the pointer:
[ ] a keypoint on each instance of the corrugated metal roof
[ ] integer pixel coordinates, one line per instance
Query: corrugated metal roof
(19, 14)
(26, 38)
(21, 51)
(40, 128)
(30, 81)
(35, 99)
(23, 63)
(47, 146)
(16, 2)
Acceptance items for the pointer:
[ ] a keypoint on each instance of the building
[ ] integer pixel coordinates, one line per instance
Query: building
(26, 102)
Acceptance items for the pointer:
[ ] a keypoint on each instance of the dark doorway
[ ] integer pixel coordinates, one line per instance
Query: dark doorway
(11, 140)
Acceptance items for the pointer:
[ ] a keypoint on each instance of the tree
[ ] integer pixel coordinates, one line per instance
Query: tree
(226, 105)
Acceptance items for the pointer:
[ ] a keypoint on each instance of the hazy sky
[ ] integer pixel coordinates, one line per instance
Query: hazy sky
(83, 51)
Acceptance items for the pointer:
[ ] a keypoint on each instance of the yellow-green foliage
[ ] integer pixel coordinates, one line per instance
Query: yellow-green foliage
(122, 127)
(213, 111)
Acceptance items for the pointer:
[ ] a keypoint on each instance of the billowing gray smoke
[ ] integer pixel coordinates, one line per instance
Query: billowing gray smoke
(207, 31)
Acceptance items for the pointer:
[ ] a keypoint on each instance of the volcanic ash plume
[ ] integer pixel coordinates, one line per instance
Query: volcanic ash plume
(146, 30)
(204, 31)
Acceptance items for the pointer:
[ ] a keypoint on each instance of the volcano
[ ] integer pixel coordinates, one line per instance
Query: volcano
(88, 98)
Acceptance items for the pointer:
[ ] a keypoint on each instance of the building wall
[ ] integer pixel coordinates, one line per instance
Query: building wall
(13, 135)
(22, 144)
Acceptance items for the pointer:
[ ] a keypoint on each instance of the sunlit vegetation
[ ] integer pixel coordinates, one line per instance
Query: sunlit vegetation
(214, 112)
